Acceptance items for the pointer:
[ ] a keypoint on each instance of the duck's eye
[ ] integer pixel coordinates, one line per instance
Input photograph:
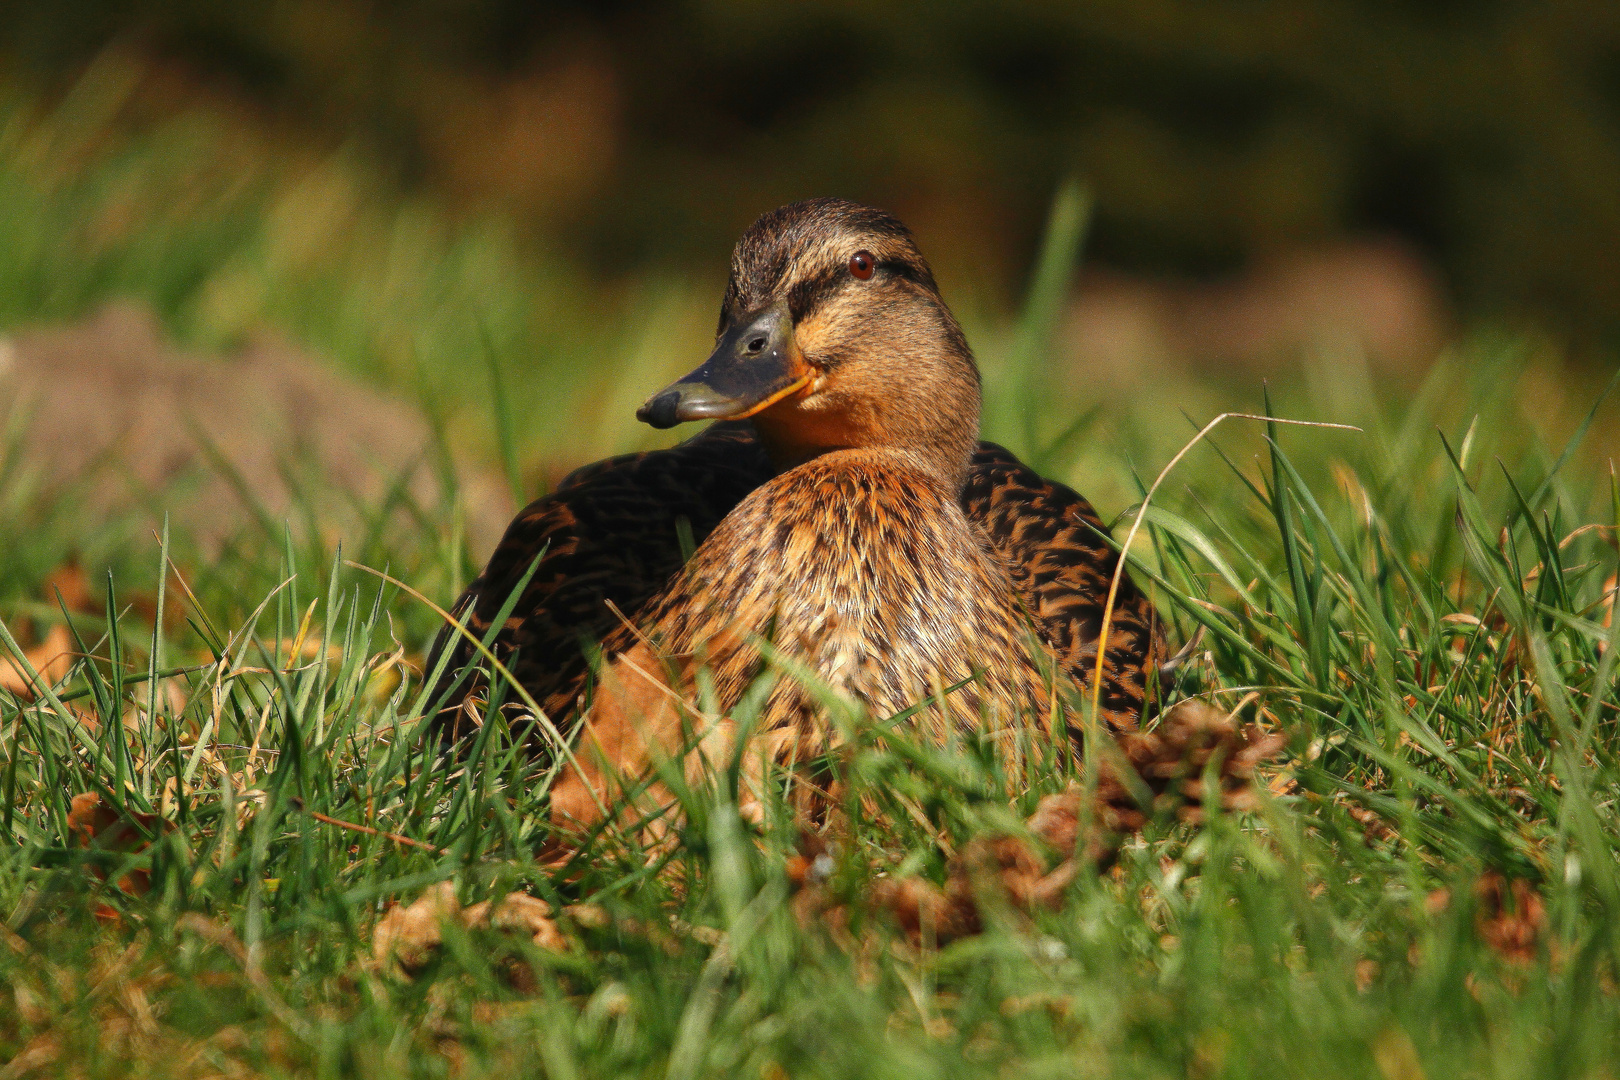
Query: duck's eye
(861, 264)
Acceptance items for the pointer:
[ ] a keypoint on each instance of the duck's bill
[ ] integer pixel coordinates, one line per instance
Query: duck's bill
(755, 365)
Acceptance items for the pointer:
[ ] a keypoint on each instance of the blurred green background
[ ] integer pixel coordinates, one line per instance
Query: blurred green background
(514, 218)
(1485, 135)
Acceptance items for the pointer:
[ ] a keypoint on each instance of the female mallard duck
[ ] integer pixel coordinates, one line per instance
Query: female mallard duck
(844, 508)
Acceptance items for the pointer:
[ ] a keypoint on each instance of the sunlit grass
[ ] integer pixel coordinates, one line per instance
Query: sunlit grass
(1423, 607)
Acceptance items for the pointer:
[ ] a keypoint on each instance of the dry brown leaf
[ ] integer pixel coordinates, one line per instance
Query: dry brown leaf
(992, 869)
(1373, 827)
(51, 658)
(1172, 757)
(1057, 821)
(104, 829)
(40, 1052)
(994, 872)
(924, 911)
(517, 912)
(69, 582)
(590, 916)
(1511, 916)
(1012, 873)
(990, 873)
(408, 936)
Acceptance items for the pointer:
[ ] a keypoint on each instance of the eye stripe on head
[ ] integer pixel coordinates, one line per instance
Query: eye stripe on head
(802, 253)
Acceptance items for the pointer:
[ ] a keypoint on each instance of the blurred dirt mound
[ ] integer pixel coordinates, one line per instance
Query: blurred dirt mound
(1377, 297)
(116, 416)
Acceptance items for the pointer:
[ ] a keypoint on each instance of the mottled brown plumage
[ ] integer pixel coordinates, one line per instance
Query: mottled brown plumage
(1056, 549)
(859, 525)
(863, 569)
(610, 541)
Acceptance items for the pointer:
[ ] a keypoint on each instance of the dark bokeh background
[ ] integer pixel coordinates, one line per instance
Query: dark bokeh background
(1216, 135)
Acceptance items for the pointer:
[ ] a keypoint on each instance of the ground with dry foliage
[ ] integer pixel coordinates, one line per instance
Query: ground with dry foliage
(229, 852)
(1409, 700)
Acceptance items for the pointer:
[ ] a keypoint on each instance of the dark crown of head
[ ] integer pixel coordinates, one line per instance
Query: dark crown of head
(775, 246)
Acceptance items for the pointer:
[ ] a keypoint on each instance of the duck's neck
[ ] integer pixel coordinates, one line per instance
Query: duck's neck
(942, 453)
(916, 394)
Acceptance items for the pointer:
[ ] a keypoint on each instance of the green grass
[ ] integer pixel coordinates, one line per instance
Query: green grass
(1419, 606)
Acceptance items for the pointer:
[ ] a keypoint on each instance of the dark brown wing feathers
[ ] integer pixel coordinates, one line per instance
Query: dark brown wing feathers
(610, 534)
(1054, 544)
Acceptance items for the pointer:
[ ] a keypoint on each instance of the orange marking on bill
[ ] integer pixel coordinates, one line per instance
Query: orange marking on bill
(792, 388)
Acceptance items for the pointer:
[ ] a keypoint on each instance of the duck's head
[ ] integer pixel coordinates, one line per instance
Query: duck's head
(833, 336)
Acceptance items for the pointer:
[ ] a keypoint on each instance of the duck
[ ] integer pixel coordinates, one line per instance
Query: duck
(839, 517)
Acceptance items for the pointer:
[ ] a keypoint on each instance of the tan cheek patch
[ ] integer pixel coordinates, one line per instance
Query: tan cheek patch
(826, 331)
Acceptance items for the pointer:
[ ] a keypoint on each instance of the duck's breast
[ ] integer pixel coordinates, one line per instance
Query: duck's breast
(861, 567)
